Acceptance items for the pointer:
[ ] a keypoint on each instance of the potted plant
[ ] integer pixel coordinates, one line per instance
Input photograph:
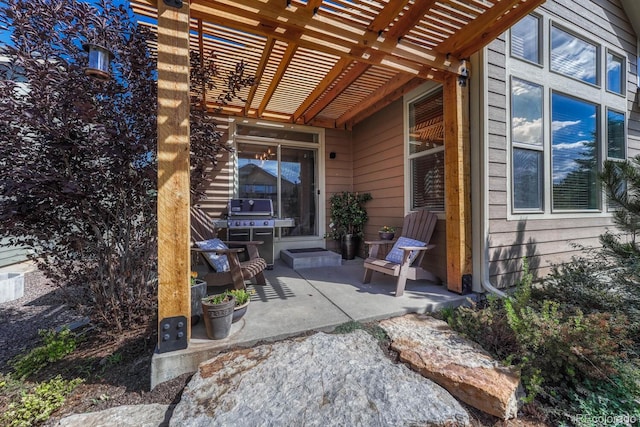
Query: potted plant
(198, 291)
(217, 311)
(347, 218)
(243, 298)
(387, 232)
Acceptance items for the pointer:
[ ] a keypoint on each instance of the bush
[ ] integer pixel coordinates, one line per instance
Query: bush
(55, 347)
(37, 406)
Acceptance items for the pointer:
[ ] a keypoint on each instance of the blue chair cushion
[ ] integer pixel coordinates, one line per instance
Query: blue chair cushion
(395, 254)
(219, 262)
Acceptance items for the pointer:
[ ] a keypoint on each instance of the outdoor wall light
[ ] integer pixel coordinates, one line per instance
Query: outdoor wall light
(99, 58)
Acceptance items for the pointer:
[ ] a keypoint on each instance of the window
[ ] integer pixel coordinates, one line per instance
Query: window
(574, 149)
(615, 73)
(564, 120)
(426, 152)
(573, 56)
(615, 135)
(281, 165)
(527, 137)
(525, 39)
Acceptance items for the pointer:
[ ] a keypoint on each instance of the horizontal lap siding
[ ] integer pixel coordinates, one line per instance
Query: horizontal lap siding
(378, 168)
(546, 242)
(338, 171)
(11, 254)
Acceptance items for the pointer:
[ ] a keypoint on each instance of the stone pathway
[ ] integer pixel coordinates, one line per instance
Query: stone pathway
(335, 380)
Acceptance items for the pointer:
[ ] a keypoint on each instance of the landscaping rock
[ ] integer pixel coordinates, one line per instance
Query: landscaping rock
(321, 380)
(468, 372)
(153, 415)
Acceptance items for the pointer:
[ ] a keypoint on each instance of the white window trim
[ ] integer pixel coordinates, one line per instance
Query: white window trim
(553, 81)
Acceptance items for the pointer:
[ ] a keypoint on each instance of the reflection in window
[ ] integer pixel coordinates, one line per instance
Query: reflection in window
(615, 72)
(426, 152)
(526, 112)
(615, 135)
(527, 179)
(573, 57)
(287, 177)
(525, 39)
(574, 148)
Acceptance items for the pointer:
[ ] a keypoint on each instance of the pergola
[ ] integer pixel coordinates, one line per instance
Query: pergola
(326, 63)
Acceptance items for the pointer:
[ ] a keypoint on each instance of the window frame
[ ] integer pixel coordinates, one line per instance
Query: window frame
(550, 80)
(423, 91)
(598, 47)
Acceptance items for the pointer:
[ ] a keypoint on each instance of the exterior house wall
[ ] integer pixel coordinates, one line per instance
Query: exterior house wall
(338, 171)
(378, 168)
(546, 240)
(11, 255)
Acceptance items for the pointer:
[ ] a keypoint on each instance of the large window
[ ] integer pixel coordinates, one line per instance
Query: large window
(565, 117)
(426, 152)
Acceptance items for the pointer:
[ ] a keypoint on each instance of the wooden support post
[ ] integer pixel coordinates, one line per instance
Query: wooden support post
(457, 166)
(174, 262)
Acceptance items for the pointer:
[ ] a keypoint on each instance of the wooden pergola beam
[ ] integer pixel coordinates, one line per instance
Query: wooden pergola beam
(174, 262)
(264, 60)
(352, 75)
(382, 97)
(275, 81)
(457, 166)
(335, 72)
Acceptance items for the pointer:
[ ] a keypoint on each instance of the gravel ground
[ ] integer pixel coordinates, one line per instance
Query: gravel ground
(41, 307)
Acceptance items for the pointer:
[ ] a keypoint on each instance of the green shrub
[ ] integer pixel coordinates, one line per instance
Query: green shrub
(37, 406)
(56, 345)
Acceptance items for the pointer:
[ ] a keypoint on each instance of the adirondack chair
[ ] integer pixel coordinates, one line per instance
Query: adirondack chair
(203, 237)
(405, 258)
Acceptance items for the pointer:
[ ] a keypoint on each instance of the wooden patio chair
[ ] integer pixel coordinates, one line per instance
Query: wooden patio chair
(405, 258)
(210, 249)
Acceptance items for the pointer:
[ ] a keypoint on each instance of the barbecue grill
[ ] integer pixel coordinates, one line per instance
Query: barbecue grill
(253, 219)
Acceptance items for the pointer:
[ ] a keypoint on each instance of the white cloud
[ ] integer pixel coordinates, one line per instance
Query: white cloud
(558, 125)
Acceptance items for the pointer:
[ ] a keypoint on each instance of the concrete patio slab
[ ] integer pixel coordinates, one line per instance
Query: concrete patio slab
(307, 300)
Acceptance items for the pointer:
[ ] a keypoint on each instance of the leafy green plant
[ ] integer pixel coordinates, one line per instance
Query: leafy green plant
(242, 296)
(37, 406)
(217, 299)
(347, 214)
(55, 346)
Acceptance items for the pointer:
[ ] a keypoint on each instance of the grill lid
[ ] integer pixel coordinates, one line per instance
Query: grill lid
(250, 207)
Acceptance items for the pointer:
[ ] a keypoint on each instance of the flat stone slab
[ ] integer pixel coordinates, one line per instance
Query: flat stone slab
(321, 380)
(152, 415)
(461, 366)
(314, 257)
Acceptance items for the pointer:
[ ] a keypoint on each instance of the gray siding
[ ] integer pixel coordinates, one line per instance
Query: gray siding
(549, 240)
(11, 255)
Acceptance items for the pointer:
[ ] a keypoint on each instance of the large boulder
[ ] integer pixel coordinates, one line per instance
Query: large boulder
(461, 366)
(321, 380)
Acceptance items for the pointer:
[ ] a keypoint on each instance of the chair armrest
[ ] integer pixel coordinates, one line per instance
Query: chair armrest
(246, 243)
(379, 242)
(417, 248)
(218, 251)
